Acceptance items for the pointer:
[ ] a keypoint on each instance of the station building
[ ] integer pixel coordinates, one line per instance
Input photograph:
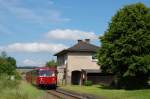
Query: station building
(78, 63)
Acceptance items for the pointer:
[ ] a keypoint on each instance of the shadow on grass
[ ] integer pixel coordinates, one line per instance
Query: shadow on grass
(106, 87)
(115, 88)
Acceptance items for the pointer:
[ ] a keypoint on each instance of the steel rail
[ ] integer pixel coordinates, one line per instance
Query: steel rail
(64, 95)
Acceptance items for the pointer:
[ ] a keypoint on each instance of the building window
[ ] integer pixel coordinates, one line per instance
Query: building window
(94, 57)
(62, 61)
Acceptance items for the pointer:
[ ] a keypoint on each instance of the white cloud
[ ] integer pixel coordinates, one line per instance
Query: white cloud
(33, 47)
(68, 34)
(29, 62)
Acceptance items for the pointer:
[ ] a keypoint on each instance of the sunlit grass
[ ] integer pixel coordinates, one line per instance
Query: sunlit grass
(108, 93)
(23, 91)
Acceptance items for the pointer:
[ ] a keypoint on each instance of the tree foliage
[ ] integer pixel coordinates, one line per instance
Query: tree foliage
(125, 46)
(51, 63)
(7, 64)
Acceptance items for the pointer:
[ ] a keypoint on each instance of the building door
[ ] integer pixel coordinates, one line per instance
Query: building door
(76, 77)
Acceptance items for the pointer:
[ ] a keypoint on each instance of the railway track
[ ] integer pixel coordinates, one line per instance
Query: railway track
(65, 95)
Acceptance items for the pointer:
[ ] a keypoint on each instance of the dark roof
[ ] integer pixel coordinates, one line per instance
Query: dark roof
(81, 46)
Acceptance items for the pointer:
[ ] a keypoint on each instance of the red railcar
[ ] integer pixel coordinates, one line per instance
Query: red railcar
(43, 76)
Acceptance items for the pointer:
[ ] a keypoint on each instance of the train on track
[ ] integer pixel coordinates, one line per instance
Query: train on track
(43, 77)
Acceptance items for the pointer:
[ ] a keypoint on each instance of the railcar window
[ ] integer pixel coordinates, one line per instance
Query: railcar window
(46, 73)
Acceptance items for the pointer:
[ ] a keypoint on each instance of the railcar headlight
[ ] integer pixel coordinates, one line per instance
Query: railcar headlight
(53, 75)
(41, 79)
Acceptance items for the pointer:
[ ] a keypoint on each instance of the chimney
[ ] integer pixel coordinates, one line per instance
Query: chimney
(87, 40)
(79, 41)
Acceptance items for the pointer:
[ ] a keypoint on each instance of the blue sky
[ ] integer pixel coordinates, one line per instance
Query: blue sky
(33, 30)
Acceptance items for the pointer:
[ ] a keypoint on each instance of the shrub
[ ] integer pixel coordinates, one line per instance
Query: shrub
(88, 83)
(17, 76)
(5, 82)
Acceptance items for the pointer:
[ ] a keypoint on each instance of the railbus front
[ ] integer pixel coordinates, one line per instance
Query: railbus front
(43, 77)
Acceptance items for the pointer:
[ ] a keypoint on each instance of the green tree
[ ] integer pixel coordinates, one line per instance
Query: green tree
(51, 63)
(7, 64)
(12, 61)
(125, 47)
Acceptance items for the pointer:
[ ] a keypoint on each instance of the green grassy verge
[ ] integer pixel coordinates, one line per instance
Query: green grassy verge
(23, 91)
(110, 93)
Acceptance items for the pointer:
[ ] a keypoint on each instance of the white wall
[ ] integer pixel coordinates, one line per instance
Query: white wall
(75, 61)
(81, 60)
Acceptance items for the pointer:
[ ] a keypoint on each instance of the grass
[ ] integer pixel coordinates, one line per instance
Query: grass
(23, 91)
(99, 90)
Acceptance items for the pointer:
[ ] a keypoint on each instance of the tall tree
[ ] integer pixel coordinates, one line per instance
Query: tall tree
(125, 47)
(51, 63)
(7, 64)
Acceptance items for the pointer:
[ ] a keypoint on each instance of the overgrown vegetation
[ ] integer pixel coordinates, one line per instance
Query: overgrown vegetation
(125, 47)
(5, 82)
(11, 86)
(16, 89)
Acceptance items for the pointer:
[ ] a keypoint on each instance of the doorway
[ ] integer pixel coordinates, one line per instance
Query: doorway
(76, 77)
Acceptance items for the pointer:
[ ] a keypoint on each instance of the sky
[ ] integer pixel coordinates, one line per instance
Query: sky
(32, 31)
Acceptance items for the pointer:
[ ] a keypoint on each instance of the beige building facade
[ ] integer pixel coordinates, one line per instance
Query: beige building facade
(73, 60)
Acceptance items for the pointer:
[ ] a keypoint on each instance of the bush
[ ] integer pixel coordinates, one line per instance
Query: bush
(88, 83)
(5, 82)
(17, 76)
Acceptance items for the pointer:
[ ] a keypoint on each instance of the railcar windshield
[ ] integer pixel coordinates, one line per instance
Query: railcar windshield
(45, 73)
